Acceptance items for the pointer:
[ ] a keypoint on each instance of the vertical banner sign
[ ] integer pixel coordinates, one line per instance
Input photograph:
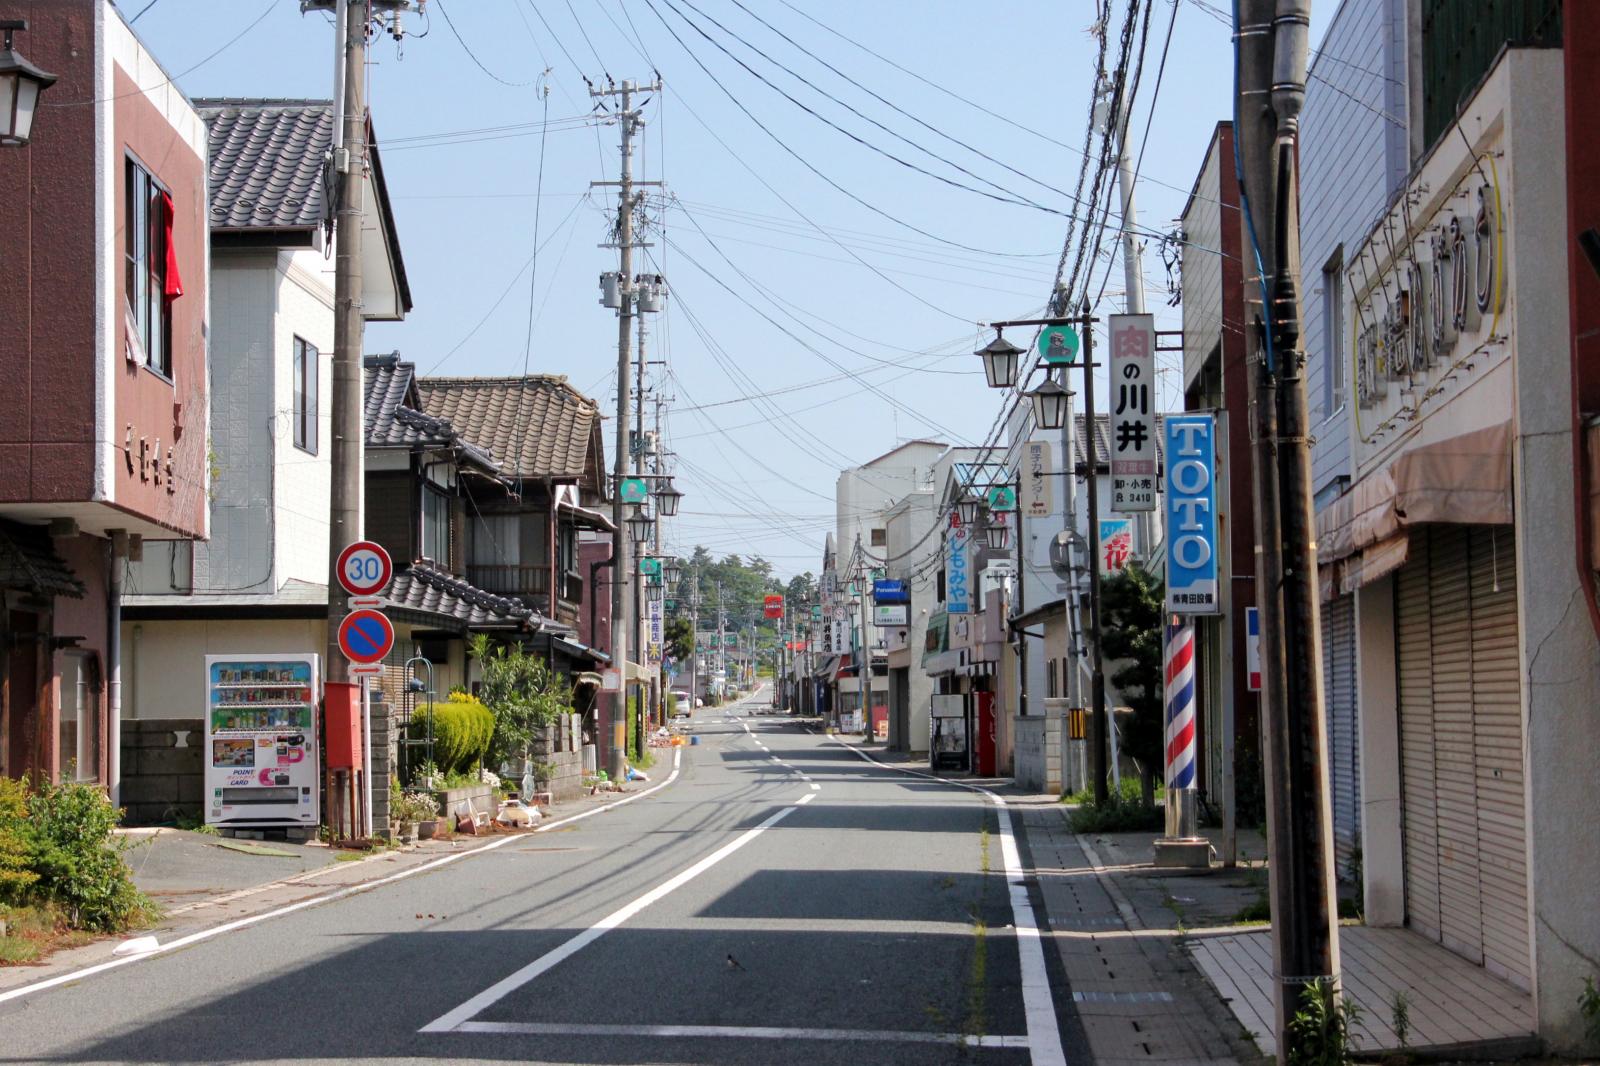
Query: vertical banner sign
(653, 633)
(957, 572)
(1133, 413)
(1037, 499)
(1116, 543)
(1191, 514)
(1180, 706)
(1252, 647)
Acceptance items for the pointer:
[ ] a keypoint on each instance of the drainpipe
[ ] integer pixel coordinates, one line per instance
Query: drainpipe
(594, 596)
(118, 549)
(551, 532)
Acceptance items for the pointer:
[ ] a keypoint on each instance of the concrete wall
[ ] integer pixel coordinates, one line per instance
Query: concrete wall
(163, 770)
(908, 523)
(304, 308)
(1039, 748)
(163, 669)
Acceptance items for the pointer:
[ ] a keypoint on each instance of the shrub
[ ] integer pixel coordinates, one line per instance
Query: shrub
(58, 850)
(414, 807)
(462, 729)
(1116, 815)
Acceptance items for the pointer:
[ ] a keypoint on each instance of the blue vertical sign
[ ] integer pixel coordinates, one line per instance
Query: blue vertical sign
(1191, 459)
(957, 575)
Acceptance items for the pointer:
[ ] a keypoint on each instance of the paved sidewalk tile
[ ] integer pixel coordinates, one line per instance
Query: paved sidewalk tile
(1133, 984)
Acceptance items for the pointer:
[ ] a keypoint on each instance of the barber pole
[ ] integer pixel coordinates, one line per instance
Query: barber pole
(1182, 821)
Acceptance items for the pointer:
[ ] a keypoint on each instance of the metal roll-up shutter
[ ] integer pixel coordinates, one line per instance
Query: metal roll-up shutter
(1454, 766)
(1497, 751)
(1339, 692)
(1414, 662)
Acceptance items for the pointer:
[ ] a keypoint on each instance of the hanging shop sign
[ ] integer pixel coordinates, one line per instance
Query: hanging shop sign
(1037, 498)
(772, 606)
(634, 490)
(1116, 543)
(885, 591)
(1058, 345)
(1133, 413)
(1252, 647)
(653, 633)
(957, 568)
(891, 614)
(1191, 514)
(1002, 499)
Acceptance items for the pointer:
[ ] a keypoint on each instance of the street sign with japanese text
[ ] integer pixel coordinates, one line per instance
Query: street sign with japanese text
(1038, 499)
(1191, 514)
(891, 614)
(957, 568)
(1058, 345)
(1133, 413)
(653, 633)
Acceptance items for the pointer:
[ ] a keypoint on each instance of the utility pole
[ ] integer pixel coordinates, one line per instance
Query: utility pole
(641, 710)
(1100, 725)
(350, 161)
(1272, 38)
(624, 578)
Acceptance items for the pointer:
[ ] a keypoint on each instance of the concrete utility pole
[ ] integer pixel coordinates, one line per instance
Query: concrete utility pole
(641, 710)
(1132, 254)
(1272, 43)
(623, 577)
(349, 327)
(1100, 725)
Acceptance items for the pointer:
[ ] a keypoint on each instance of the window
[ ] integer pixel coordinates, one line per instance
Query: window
(880, 538)
(567, 548)
(306, 369)
(151, 277)
(1333, 353)
(79, 733)
(436, 527)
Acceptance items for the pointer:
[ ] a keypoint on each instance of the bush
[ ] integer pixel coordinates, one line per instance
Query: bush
(462, 729)
(1116, 815)
(56, 849)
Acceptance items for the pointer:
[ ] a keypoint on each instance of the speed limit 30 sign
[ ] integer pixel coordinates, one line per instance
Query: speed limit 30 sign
(364, 568)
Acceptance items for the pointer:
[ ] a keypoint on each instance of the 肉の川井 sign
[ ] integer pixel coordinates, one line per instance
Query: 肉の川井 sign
(1133, 413)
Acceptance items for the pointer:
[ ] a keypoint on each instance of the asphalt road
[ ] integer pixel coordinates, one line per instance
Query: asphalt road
(780, 901)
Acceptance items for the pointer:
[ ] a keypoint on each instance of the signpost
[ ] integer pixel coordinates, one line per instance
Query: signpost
(365, 568)
(366, 635)
(1133, 414)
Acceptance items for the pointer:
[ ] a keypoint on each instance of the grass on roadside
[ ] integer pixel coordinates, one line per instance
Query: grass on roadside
(31, 932)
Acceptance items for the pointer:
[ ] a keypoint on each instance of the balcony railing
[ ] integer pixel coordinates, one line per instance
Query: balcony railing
(531, 582)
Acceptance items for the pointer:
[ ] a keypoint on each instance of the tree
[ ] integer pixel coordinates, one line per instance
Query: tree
(802, 588)
(680, 638)
(522, 691)
(1131, 611)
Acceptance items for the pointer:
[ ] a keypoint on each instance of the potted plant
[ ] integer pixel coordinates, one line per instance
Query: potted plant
(415, 809)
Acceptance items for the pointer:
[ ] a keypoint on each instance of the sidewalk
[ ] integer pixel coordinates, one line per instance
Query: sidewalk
(1120, 932)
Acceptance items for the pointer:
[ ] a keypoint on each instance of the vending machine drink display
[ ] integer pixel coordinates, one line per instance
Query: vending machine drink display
(261, 742)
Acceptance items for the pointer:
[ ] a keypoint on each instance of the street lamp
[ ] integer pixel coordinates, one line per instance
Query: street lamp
(20, 85)
(667, 499)
(1000, 361)
(672, 570)
(1050, 404)
(997, 534)
(653, 590)
(639, 524)
(968, 509)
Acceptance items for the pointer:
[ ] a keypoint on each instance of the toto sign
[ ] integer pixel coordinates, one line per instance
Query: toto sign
(1191, 514)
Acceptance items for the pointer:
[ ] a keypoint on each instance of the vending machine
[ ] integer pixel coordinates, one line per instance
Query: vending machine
(261, 742)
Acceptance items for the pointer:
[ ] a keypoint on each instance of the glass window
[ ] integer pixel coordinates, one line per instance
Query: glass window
(880, 537)
(145, 229)
(79, 733)
(436, 527)
(305, 395)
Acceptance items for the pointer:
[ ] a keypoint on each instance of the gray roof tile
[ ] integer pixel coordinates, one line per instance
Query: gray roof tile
(28, 561)
(266, 162)
(537, 426)
(425, 589)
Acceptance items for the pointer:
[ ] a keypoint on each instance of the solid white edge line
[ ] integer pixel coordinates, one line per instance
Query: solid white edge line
(331, 897)
(744, 1032)
(451, 1020)
(1038, 1000)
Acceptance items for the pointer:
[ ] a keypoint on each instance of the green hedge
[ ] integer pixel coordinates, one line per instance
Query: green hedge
(462, 729)
(56, 849)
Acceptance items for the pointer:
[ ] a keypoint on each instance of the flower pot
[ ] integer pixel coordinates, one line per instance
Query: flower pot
(408, 832)
(426, 829)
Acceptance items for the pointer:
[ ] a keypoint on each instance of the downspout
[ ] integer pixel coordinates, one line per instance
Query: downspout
(118, 550)
(550, 542)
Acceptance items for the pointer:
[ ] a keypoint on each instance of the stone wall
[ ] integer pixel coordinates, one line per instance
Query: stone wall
(1039, 748)
(383, 764)
(561, 746)
(163, 769)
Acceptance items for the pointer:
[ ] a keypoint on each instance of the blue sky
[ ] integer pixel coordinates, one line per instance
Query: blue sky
(796, 254)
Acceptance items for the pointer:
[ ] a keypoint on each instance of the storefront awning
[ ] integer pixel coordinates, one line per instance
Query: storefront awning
(1465, 480)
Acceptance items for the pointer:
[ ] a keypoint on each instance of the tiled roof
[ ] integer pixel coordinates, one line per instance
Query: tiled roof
(266, 162)
(28, 562)
(537, 426)
(391, 419)
(1102, 441)
(426, 589)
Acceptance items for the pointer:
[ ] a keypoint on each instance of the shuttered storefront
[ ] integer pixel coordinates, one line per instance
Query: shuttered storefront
(1344, 748)
(1461, 745)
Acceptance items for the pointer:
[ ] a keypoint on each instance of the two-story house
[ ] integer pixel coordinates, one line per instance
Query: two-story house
(103, 330)
(521, 539)
(259, 584)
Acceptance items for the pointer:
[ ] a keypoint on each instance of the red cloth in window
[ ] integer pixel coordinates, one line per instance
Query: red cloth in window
(174, 281)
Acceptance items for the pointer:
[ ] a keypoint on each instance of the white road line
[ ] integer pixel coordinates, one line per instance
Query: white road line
(331, 897)
(1038, 1001)
(451, 1021)
(816, 788)
(742, 1032)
